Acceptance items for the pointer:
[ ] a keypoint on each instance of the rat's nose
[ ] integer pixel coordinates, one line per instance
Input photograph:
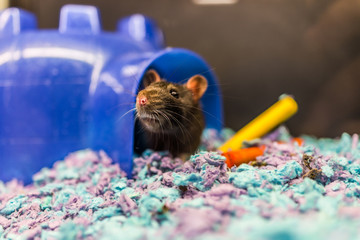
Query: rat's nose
(142, 100)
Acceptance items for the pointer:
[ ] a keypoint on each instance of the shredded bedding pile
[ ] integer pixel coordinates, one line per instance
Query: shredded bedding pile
(291, 192)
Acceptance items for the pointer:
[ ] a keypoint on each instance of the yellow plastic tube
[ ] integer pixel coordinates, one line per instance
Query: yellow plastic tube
(4, 4)
(262, 124)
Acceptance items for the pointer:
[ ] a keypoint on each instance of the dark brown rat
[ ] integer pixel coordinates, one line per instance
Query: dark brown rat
(170, 114)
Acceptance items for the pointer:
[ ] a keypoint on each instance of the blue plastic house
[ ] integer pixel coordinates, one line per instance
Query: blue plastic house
(66, 89)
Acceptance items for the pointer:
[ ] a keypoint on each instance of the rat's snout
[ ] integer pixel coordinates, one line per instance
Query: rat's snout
(142, 99)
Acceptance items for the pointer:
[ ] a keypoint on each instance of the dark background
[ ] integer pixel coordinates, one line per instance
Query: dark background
(259, 49)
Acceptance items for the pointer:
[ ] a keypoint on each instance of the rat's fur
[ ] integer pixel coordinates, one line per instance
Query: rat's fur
(172, 118)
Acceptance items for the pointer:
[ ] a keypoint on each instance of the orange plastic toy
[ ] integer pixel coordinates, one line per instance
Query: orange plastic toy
(246, 155)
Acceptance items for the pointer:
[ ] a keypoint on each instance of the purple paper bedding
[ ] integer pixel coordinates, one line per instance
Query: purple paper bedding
(291, 192)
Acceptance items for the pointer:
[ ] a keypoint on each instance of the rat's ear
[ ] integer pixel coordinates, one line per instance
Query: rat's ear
(150, 77)
(197, 85)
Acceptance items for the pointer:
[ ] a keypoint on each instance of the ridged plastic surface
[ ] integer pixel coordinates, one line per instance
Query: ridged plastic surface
(68, 89)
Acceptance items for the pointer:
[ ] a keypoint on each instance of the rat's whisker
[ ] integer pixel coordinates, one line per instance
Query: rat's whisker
(226, 96)
(200, 109)
(131, 110)
(161, 125)
(209, 114)
(183, 117)
(197, 108)
(166, 118)
(185, 79)
(176, 69)
(181, 127)
(127, 103)
(117, 106)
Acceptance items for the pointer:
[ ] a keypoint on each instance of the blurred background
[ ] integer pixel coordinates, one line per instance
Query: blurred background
(258, 49)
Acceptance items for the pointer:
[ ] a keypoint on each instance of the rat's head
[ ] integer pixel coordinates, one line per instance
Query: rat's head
(164, 106)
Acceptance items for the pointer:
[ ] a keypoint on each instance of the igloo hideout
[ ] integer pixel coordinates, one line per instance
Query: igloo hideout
(67, 89)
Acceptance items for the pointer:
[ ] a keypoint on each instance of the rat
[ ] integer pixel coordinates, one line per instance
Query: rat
(170, 114)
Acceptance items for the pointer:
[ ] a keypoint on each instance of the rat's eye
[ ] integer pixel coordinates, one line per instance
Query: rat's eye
(174, 93)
